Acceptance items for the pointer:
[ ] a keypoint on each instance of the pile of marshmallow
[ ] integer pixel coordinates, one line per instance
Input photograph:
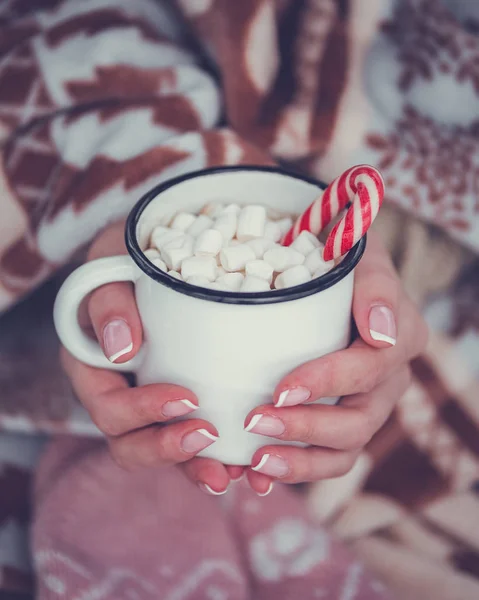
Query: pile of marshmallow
(235, 249)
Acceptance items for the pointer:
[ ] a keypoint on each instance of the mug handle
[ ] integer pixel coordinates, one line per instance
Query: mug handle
(76, 287)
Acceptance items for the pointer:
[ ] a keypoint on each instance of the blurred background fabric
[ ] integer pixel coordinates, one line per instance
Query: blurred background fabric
(101, 100)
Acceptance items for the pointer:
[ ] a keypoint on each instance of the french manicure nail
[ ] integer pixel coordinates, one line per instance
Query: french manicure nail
(382, 325)
(293, 396)
(117, 339)
(272, 465)
(197, 440)
(178, 408)
(268, 491)
(206, 488)
(265, 425)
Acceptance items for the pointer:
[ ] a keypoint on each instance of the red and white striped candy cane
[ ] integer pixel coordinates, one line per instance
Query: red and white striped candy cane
(363, 186)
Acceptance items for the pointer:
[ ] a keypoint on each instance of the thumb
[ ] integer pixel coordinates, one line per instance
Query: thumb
(376, 296)
(112, 308)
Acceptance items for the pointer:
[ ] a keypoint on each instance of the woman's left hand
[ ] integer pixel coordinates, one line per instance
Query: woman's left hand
(370, 376)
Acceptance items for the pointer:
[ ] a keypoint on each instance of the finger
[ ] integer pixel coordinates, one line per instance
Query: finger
(159, 446)
(235, 472)
(259, 483)
(210, 475)
(112, 308)
(290, 464)
(116, 321)
(377, 291)
(358, 369)
(116, 408)
(87, 380)
(347, 426)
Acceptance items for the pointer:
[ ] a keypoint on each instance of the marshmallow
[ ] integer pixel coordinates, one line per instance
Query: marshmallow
(232, 281)
(305, 243)
(291, 277)
(274, 214)
(208, 243)
(320, 272)
(255, 284)
(260, 245)
(282, 258)
(259, 268)
(159, 264)
(212, 209)
(182, 221)
(151, 253)
(234, 258)
(251, 222)
(231, 208)
(316, 263)
(162, 235)
(175, 252)
(219, 285)
(219, 271)
(176, 275)
(201, 223)
(202, 266)
(284, 225)
(272, 231)
(226, 225)
(198, 280)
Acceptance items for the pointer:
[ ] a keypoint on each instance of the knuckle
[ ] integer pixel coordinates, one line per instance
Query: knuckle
(362, 434)
(330, 373)
(307, 431)
(96, 301)
(163, 448)
(344, 465)
(370, 376)
(143, 410)
(120, 459)
(103, 420)
(306, 469)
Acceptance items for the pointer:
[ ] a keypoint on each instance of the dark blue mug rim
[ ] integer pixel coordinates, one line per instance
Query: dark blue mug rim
(271, 297)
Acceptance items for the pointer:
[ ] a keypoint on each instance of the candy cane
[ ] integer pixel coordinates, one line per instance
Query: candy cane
(363, 186)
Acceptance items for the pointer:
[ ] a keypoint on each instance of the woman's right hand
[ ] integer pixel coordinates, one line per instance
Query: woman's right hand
(135, 420)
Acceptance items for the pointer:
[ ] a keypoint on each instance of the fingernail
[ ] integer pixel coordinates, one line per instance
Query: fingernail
(293, 396)
(117, 339)
(265, 425)
(382, 325)
(197, 440)
(272, 465)
(177, 408)
(268, 491)
(206, 488)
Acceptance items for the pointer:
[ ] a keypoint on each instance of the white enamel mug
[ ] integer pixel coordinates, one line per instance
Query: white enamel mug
(230, 349)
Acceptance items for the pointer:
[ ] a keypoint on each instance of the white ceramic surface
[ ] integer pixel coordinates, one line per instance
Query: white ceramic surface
(231, 355)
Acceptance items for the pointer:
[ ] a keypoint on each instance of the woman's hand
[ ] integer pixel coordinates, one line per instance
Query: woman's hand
(133, 419)
(371, 376)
